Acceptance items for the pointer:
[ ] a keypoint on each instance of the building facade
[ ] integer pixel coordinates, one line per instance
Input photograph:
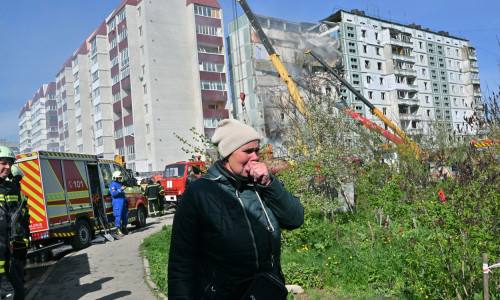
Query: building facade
(152, 70)
(414, 76)
(38, 121)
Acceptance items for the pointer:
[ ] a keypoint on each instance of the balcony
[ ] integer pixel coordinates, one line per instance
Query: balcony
(401, 71)
(215, 113)
(127, 101)
(117, 106)
(403, 57)
(409, 117)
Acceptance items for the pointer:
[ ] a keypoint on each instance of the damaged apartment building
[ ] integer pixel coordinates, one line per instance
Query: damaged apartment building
(413, 75)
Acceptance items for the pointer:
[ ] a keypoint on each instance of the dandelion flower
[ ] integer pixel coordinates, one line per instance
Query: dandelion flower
(329, 257)
(350, 257)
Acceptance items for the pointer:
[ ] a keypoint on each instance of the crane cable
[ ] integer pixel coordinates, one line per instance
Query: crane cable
(246, 118)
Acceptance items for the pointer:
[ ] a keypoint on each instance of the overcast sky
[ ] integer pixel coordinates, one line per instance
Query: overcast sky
(37, 37)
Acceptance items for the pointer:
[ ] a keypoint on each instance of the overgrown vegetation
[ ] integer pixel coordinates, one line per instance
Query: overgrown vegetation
(413, 232)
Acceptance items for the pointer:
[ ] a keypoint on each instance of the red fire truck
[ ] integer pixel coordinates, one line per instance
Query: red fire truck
(175, 175)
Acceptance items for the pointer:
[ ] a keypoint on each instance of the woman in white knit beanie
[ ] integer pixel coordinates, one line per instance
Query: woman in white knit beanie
(227, 227)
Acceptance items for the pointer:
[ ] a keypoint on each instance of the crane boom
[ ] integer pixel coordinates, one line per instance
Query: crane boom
(297, 98)
(372, 107)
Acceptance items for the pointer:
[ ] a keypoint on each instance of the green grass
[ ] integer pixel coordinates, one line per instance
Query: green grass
(156, 248)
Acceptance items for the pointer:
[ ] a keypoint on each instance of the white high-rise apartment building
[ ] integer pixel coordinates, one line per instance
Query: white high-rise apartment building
(413, 75)
(38, 121)
(150, 71)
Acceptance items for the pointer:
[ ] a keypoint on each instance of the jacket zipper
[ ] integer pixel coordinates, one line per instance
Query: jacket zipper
(249, 229)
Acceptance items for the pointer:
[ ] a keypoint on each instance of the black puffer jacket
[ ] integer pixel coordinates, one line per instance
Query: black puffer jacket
(220, 235)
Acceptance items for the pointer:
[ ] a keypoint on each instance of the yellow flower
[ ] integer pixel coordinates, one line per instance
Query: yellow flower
(327, 264)
(329, 257)
(402, 235)
(298, 250)
(480, 243)
(420, 288)
(335, 262)
(456, 237)
(394, 254)
(366, 240)
(350, 257)
(426, 296)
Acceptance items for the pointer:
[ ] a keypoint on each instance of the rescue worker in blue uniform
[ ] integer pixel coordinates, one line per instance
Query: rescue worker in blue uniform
(120, 209)
(14, 228)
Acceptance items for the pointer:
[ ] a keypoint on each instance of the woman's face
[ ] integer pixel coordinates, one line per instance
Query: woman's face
(240, 161)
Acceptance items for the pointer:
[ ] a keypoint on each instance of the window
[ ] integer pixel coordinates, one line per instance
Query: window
(145, 88)
(367, 64)
(146, 109)
(364, 48)
(95, 76)
(125, 72)
(96, 93)
(111, 24)
(149, 147)
(370, 95)
(213, 85)
(140, 30)
(206, 11)
(381, 80)
(382, 95)
(208, 30)
(147, 127)
(98, 125)
(123, 33)
(118, 133)
(377, 50)
(376, 35)
(120, 15)
(424, 71)
(363, 33)
(129, 129)
(130, 152)
(114, 61)
(384, 110)
(124, 57)
(116, 78)
(117, 97)
(97, 108)
(93, 46)
(211, 122)
(213, 106)
(427, 99)
(379, 66)
(368, 79)
(99, 141)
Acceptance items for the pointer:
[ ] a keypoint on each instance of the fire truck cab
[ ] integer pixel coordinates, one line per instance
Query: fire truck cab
(175, 175)
(69, 199)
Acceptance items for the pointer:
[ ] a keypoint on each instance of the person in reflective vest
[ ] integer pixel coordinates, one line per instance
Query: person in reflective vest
(161, 198)
(151, 193)
(14, 228)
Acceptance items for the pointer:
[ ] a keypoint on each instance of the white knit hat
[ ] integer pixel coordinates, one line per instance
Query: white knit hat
(231, 134)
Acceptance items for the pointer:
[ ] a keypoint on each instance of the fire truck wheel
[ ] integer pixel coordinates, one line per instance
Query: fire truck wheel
(83, 235)
(141, 217)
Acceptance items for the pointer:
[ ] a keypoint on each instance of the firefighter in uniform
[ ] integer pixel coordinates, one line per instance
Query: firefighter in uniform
(152, 192)
(120, 205)
(14, 226)
(161, 198)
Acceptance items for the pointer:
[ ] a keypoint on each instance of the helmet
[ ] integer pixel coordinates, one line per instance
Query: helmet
(16, 171)
(117, 174)
(5, 152)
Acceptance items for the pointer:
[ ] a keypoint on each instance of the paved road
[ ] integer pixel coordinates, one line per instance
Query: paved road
(113, 270)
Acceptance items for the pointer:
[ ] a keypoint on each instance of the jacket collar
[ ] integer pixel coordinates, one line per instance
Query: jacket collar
(233, 179)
